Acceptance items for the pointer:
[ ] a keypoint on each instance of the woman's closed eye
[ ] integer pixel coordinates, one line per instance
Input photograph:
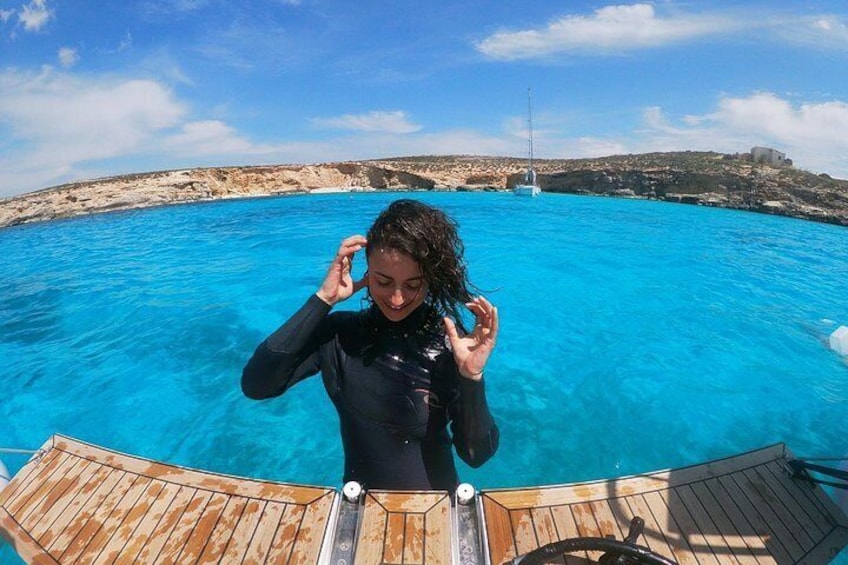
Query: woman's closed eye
(413, 285)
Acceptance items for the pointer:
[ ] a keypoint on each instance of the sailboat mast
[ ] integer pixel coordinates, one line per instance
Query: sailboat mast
(530, 124)
(529, 186)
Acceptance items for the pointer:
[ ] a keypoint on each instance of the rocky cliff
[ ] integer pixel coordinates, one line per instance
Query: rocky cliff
(710, 179)
(194, 185)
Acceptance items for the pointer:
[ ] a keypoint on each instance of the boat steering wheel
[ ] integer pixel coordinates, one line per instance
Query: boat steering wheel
(625, 552)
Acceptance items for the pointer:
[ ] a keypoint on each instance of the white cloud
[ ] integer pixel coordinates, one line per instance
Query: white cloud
(812, 134)
(63, 128)
(162, 63)
(188, 5)
(817, 125)
(449, 142)
(825, 24)
(57, 108)
(57, 127)
(376, 145)
(210, 138)
(388, 122)
(5, 15)
(158, 8)
(613, 28)
(824, 31)
(628, 27)
(125, 43)
(57, 122)
(68, 57)
(35, 15)
(597, 147)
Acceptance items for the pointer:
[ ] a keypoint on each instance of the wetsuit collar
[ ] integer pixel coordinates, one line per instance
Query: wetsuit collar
(421, 319)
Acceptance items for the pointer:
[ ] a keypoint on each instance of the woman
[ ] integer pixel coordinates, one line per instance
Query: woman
(403, 370)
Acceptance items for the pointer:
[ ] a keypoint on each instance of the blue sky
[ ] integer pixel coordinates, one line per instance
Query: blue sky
(96, 88)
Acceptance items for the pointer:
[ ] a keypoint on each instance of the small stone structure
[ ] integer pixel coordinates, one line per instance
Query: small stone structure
(769, 156)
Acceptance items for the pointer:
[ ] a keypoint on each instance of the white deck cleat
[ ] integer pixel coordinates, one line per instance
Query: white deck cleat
(465, 493)
(352, 490)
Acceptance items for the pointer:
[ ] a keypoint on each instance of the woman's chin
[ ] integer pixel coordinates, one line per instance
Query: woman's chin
(395, 315)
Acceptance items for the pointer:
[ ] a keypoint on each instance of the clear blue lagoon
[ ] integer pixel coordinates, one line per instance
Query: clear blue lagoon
(636, 335)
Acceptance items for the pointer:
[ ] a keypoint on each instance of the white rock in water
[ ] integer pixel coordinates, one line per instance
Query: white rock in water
(5, 477)
(839, 340)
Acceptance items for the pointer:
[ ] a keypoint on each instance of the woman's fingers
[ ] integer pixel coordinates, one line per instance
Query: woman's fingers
(491, 314)
(472, 351)
(477, 309)
(480, 304)
(450, 328)
(486, 323)
(483, 310)
(348, 248)
(337, 283)
(495, 325)
(351, 245)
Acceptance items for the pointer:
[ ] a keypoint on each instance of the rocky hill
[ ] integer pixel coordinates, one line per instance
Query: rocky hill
(703, 178)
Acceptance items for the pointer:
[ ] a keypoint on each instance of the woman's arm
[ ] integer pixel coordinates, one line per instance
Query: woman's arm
(291, 353)
(475, 434)
(288, 355)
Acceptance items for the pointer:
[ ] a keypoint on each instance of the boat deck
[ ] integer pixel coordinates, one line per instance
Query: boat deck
(78, 503)
(82, 504)
(744, 509)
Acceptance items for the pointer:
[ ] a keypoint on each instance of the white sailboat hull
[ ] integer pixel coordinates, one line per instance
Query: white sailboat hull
(526, 190)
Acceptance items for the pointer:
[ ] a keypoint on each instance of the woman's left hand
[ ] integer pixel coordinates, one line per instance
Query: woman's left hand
(471, 352)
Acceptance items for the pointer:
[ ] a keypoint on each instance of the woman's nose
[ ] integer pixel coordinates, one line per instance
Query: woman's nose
(397, 297)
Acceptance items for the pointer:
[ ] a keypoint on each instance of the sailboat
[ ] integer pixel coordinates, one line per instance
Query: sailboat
(529, 186)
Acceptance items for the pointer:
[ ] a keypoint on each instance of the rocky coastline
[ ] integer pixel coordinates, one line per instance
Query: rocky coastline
(699, 178)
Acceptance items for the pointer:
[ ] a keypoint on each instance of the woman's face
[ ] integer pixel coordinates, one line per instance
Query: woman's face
(395, 283)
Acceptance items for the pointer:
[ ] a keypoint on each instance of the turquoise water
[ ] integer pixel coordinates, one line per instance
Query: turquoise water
(635, 335)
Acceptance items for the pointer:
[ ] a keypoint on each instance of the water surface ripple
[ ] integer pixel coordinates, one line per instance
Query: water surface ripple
(635, 335)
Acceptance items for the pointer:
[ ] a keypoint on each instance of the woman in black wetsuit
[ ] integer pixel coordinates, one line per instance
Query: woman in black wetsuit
(403, 371)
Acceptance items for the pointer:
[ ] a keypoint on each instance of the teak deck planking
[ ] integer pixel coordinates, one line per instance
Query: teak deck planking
(404, 528)
(740, 510)
(78, 503)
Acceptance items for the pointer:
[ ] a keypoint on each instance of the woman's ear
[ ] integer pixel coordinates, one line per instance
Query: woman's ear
(367, 286)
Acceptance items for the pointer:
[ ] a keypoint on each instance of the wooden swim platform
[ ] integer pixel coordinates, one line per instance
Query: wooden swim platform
(79, 503)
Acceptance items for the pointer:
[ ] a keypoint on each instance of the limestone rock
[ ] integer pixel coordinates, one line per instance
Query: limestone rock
(698, 178)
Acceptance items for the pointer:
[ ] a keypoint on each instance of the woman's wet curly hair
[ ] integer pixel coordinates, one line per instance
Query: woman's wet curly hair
(429, 236)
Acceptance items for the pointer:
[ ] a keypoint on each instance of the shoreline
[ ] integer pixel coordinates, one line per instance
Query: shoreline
(705, 179)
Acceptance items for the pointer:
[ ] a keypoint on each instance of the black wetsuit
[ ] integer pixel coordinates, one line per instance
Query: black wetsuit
(395, 386)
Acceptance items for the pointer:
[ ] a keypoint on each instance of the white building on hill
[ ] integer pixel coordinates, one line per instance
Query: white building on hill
(769, 156)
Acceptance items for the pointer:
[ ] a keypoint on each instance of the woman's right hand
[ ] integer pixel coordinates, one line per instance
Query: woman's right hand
(338, 285)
